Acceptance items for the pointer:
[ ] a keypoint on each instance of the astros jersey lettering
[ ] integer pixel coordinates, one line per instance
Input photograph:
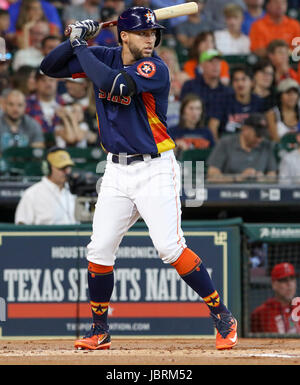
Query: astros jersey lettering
(132, 125)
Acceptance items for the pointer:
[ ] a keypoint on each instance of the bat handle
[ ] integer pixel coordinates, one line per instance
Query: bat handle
(107, 24)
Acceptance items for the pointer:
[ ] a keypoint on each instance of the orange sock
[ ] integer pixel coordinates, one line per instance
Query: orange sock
(187, 262)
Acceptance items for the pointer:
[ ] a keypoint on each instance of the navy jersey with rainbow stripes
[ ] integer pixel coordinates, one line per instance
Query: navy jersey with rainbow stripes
(137, 124)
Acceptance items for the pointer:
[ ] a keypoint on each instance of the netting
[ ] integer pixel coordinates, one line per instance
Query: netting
(271, 296)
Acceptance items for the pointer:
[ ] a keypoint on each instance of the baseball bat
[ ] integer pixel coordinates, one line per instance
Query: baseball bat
(161, 14)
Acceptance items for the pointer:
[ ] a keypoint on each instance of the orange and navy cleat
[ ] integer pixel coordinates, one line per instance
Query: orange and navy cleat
(226, 326)
(95, 339)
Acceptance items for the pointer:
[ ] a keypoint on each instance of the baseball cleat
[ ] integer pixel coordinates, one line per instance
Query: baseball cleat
(226, 326)
(95, 339)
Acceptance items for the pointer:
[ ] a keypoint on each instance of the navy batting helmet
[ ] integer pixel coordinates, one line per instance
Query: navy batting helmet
(139, 19)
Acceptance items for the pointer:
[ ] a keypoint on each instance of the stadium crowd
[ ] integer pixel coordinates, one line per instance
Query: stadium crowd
(234, 69)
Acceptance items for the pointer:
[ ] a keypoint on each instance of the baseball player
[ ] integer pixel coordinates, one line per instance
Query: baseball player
(142, 177)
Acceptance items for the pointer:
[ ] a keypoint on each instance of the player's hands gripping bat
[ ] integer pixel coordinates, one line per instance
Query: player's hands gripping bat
(84, 30)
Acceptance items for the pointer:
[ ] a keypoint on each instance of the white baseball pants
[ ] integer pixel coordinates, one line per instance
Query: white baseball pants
(150, 189)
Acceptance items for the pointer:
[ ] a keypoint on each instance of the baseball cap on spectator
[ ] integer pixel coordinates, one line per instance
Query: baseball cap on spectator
(258, 122)
(209, 55)
(60, 159)
(286, 85)
(283, 270)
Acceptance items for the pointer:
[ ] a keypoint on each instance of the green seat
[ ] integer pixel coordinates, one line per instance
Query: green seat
(195, 154)
(86, 159)
(23, 160)
(236, 59)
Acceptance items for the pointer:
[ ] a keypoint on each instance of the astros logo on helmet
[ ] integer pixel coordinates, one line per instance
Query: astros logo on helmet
(139, 19)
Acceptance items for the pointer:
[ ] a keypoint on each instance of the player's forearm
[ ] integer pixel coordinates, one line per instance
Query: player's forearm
(55, 64)
(99, 73)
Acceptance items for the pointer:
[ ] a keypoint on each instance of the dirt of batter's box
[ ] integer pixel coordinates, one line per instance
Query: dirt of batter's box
(147, 351)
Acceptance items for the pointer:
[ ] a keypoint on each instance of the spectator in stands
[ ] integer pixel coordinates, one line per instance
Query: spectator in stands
(43, 104)
(76, 92)
(88, 9)
(191, 133)
(73, 131)
(214, 11)
(23, 10)
(5, 78)
(107, 36)
(246, 156)
(49, 43)
(4, 25)
(177, 77)
(263, 82)
(187, 31)
(278, 54)
(274, 25)
(203, 42)
(31, 12)
(120, 5)
(49, 202)
(284, 117)
(231, 40)
(254, 11)
(228, 116)
(207, 84)
(289, 170)
(24, 80)
(17, 128)
(275, 315)
(32, 54)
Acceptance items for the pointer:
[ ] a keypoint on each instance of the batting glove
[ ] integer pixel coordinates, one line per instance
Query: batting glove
(94, 28)
(82, 31)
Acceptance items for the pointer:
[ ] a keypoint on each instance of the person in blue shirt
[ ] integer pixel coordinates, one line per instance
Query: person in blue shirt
(227, 117)
(207, 84)
(255, 11)
(49, 10)
(191, 133)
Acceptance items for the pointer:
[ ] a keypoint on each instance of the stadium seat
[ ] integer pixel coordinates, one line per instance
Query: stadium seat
(86, 159)
(24, 160)
(195, 155)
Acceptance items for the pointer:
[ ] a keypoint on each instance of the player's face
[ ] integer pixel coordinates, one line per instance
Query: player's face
(285, 289)
(141, 43)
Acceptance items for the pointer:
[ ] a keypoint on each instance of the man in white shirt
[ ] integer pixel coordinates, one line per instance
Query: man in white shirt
(231, 41)
(49, 202)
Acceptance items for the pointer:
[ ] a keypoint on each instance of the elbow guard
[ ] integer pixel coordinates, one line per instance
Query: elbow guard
(123, 85)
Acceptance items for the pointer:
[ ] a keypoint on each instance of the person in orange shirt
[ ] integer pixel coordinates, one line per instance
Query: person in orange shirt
(274, 25)
(203, 42)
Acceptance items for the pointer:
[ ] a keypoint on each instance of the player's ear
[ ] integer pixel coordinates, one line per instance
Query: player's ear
(124, 36)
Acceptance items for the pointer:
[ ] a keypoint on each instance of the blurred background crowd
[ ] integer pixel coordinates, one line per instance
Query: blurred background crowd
(234, 69)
